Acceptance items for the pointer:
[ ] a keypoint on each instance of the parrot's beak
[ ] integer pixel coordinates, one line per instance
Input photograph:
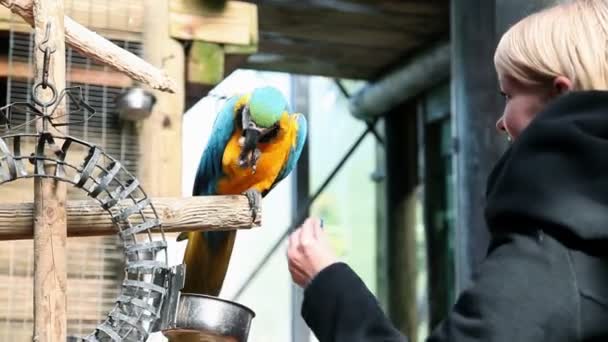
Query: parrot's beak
(248, 156)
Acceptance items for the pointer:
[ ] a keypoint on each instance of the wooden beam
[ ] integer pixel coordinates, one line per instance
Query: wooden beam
(190, 20)
(87, 218)
(379, 30)
(415, 7)
(252, 46)
(307, 66)
(50, 232)
(336, 53)
(287, 12)
(21, 70)
(160, 135)
(95, 46)
(361, 7)
(23, 27)
(235, 56)
(351, 36)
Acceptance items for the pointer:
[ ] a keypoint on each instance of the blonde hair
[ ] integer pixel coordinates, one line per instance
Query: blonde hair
(569, 39)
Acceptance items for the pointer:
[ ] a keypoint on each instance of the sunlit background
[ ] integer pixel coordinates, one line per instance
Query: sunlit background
(347, 205)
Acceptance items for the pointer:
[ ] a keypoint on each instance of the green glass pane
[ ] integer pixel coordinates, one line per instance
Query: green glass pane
(348, 205)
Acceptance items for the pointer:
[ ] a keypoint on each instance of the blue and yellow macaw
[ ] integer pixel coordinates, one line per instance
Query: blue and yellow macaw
(255, 144)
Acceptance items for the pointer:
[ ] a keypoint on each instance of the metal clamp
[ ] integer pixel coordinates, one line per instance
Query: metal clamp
(168, 318)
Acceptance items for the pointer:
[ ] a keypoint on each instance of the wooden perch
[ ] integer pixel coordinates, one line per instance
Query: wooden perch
(87, 218)
(95, 46)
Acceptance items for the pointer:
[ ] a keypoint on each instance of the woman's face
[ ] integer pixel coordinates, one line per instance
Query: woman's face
(524, 101)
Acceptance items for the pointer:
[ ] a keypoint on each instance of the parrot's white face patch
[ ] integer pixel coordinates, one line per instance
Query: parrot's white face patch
(251, 138)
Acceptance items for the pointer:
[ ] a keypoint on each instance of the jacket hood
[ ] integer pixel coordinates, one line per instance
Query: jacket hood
(556, 172)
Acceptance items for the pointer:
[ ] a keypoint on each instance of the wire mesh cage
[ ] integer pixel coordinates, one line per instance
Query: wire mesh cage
(133, 290)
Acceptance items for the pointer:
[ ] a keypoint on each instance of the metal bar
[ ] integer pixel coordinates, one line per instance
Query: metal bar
(422, 72)
(302, 214)
(301, 190)
(476, 105)
(342, 88)
(382, 254)
(137, 284)
(369, 124)
(401, 181)
(372, 129)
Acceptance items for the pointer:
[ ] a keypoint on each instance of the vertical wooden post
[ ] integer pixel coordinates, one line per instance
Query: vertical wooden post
(160, 134)
(50, 231)
(401, 181)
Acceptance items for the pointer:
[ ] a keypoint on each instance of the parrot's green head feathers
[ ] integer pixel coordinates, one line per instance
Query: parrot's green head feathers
(266, 106)
(260, 122)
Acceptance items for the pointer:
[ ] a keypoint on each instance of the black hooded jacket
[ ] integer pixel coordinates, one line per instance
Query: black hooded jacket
(545, 277)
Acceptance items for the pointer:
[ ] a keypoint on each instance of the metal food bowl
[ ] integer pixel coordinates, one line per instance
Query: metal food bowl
(201, 318)
(135, 104)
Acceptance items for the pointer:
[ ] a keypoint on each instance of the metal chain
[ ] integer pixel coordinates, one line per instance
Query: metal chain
(47, 49)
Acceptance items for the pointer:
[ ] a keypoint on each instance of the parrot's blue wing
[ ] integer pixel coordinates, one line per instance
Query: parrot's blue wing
(296, 150)
(210, 166)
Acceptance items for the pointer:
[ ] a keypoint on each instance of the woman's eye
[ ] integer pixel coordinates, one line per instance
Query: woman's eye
(505, 96)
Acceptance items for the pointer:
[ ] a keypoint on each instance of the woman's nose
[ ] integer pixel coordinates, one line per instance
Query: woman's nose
(500, 125)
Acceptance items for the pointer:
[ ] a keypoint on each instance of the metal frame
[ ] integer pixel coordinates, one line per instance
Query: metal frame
(300, 332)
(146, 287)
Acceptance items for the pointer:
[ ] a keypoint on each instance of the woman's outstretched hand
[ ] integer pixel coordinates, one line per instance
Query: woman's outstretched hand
(309, 252)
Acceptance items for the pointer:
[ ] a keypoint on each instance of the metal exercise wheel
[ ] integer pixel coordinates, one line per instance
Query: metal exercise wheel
(145, 289)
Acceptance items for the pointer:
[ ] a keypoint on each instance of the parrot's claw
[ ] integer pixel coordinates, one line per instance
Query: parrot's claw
(255, 202)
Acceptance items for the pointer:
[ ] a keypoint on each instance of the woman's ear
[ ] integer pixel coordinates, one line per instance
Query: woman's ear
(561, 85)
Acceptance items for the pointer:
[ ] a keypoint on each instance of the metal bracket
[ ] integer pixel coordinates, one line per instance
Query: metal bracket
(177, 278)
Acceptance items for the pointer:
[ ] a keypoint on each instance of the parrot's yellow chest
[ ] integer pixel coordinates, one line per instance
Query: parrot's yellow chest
(275, 153)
